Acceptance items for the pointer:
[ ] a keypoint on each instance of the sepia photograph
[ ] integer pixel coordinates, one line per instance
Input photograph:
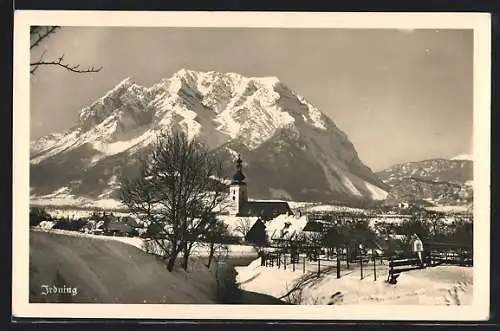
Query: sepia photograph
(251, 165)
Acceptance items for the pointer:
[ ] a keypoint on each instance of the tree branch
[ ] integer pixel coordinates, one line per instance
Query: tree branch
(40, 36)
(37, 35)
(60, 62)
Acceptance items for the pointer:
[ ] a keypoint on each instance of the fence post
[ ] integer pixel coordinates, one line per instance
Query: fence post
(304, 265)
(361, 264)
(347, 257)
(319, 265)
(389, 274)
(374, 266)
(284, 261)
(338, 265)
(279, 260)
(293, 263)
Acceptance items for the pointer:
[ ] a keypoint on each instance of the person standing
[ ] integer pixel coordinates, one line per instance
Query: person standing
(418, 248)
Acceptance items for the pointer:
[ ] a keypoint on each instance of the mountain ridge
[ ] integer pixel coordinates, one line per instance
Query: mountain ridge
(440, 181)
(274, 128)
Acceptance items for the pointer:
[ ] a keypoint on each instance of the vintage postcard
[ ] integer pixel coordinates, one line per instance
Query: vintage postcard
(237, 165)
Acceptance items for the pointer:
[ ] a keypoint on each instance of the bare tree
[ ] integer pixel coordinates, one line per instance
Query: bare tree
(435, 218)
(214, 236)
(243, 226)
(176, 191)
(39, 34)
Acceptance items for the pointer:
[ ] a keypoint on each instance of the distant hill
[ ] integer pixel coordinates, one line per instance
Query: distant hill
(434, 181)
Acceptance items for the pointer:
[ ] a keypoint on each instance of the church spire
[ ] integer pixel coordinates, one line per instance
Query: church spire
(238, 177)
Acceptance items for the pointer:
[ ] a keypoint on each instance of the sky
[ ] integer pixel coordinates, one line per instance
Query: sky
(399, 95)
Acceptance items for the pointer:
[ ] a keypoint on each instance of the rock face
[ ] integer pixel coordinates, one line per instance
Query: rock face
(290, 148)
(437, 181)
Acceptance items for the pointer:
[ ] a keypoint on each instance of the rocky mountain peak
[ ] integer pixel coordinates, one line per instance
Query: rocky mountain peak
(272, 126)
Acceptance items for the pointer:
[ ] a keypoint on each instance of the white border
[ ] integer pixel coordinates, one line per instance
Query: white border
(479, 22)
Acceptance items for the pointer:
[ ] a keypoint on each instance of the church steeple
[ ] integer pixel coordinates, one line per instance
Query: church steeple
(238, 177)
(238, 189)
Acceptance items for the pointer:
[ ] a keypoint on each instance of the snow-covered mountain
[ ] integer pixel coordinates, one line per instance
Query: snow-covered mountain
(290, 148)
(436, 181)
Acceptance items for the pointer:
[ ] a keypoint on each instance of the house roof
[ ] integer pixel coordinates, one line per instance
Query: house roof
(130, 221)
(119, 226)
(390, 242)
(314, 226)
(257, 232)
(265, 209)
(233, 222)
(285, 226)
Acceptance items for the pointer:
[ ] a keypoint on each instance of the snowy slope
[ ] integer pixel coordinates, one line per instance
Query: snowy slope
(441, 285)
(278, 132)
(467, 157)
(107, 271)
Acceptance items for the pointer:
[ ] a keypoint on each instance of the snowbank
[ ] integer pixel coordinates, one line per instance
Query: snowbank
(200, 251)
(133, 241)
(442, 285)
(106, 271)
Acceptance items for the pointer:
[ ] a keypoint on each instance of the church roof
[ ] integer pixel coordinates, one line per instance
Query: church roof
(238, 177)
(265, 209)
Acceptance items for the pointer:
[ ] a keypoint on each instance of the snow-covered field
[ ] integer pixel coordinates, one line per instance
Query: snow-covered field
(441, 285)
(451, 209)
(64, 200)
(202, 251)
(323, 208)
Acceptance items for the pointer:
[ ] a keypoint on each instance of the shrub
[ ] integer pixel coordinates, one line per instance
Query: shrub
(38, 215)
(71, 225)
(158, 247)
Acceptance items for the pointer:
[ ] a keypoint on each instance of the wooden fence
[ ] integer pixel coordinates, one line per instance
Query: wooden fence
(296, 262)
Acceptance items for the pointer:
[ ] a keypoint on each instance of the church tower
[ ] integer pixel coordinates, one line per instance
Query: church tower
(238, 190)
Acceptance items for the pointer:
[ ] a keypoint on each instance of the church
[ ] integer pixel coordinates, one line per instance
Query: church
(271, 221)
(239, 205)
